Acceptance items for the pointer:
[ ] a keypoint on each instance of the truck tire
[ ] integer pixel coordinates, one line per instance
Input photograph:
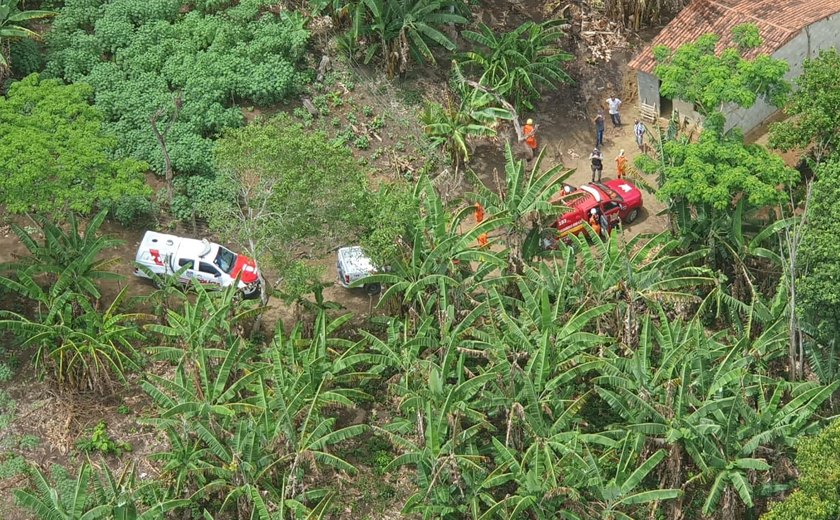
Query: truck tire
(372, 289)
(251, 293)
(633, 215)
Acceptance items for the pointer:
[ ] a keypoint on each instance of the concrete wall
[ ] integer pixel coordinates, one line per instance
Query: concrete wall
(648, 88)
(823, 34)
(807, 44)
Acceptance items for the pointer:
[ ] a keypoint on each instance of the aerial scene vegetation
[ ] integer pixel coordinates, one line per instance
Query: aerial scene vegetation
(422, 259)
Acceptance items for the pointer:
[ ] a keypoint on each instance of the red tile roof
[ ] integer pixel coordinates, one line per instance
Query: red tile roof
(778, 22)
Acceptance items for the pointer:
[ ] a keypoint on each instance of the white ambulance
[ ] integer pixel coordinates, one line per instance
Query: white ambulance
(209, 263)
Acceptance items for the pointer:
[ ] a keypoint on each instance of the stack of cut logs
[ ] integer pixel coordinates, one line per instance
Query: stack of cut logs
(601, 35)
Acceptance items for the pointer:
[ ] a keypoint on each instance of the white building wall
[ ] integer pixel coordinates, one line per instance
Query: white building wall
(807, 44)
(648, 88)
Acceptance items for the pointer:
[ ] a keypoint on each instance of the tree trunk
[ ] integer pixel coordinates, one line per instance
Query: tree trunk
(793, 238)
(161, 138)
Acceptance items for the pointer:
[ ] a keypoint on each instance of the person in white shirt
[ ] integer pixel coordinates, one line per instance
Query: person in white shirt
(639, 132)
(614, 103)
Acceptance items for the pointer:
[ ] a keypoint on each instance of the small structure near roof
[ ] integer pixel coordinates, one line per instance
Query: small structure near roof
(791, 30)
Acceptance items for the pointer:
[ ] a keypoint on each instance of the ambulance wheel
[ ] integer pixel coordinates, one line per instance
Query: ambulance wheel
(633, 215)
(372, 289)
(251, 292)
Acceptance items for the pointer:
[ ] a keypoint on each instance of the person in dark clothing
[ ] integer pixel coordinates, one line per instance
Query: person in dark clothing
(599, 129)
(604, 226)
(597, 162)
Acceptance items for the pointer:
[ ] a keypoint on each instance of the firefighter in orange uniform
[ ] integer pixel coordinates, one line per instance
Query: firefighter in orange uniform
(621, 164)
(529, 132)
(479, 218)
(594, 221)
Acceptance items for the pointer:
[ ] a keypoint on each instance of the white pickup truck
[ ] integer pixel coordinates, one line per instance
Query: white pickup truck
(209, 263)
(353, 265)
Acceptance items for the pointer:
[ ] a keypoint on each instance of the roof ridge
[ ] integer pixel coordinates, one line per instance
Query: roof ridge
(748, 15)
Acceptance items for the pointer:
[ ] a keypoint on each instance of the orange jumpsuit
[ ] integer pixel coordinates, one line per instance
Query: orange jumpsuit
(532, 140)
(621, 165)
(479, 218)
(596, 226)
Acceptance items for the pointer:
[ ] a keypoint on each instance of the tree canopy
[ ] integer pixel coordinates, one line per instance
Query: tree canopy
(814, 110)
(818, 462)
(718, 170)
(288, 185)
(694, 73)
(55, 154)
(819, 291)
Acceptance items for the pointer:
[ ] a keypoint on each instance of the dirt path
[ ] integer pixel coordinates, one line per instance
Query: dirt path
(566, 131)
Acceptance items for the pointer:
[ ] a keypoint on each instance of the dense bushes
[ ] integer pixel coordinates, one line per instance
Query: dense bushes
(818, 261)
(56, 155)
(137, 54)
(818, 498)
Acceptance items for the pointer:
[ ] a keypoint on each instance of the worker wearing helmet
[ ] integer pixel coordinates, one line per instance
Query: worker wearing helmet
(621, 164)
(594, 221)
(529, 135)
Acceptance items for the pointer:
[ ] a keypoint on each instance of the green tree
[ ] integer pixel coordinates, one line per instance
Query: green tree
(818, 264)
(712, 185)
(12, 27)
(819, 480)
(55, 154)
(814, 110)
(694, 72)
(291, 185)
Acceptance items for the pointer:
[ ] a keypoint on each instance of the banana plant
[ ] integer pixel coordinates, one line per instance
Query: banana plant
(445, 457)
(611, 492)
(12, 21)
(438, 256)
(111, 497)
(398, 30)
(469, 113)
(69, 258)
(524, 201)
(80, 349)
(639, 275)
(517, 64)
(202, 327)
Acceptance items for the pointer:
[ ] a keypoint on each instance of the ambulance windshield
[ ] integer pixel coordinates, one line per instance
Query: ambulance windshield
(225, 260)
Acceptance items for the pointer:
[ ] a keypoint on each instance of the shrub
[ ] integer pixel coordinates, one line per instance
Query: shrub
(818, 496)
(132, 211)
(25, 56)
(99, 440)
(55, 153)
(136, 55)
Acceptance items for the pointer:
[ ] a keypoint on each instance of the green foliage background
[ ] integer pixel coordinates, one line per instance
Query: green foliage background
(818, 261)
(56, 154)
(137, 54)
(818, 497)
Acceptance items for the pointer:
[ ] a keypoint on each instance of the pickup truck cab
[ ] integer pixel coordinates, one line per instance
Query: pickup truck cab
(617, 199)
(353, 265)
(209, 263)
